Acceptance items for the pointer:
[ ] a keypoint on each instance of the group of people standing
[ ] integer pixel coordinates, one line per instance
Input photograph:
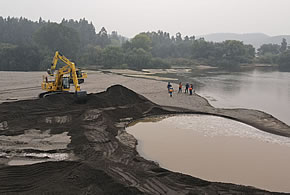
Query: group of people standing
(188, 88)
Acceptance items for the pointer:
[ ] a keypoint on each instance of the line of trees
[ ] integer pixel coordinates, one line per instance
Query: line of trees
(29, 45)
(275, 54)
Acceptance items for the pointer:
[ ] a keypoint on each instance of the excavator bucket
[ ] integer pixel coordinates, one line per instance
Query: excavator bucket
(81, 96)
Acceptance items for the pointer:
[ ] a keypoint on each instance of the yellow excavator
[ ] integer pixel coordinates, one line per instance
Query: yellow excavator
(63, 77)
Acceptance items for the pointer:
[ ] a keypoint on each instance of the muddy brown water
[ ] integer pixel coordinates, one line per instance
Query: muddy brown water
(216, 149)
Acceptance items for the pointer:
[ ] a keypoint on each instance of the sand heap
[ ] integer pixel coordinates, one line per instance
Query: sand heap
(101, 158)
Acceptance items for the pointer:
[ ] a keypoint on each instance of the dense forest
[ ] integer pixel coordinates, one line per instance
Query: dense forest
(30, 45)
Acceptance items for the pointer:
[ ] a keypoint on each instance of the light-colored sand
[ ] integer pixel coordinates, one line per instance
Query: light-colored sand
(26, 85)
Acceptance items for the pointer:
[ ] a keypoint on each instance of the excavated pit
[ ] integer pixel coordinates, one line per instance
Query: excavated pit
(72, 148)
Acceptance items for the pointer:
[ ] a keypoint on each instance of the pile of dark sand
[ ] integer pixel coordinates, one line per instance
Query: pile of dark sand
(106, 158)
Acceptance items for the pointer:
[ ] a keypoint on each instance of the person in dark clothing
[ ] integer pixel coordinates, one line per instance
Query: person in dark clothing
(193, 90)
(186, 88)
(168, 86)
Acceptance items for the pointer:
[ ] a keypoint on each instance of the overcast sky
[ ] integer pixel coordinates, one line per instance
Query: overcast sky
(190, 17)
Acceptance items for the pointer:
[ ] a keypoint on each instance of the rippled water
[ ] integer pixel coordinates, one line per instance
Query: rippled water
(265, 91)
(216, 149)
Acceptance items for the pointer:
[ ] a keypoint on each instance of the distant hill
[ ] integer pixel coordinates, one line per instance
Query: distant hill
(255, 39)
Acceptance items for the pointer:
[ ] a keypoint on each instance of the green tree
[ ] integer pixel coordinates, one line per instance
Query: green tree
(92, 55)
(283, 45)
(85, 30)
(234, 52)
(202, 49)
(142, 41)
(112, 57)
(57, 37)
(178, 38)
(138, 59)
(21, 58)
(158, 63)
(116, 39)
(17, 30)
(103, 38)
(269, 48)
(284, 60)
(162, 45)
(268, 58)
(268, 53)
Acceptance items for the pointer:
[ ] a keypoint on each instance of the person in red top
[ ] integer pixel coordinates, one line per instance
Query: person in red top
(170, 91)
(180, 88)
(190, 89)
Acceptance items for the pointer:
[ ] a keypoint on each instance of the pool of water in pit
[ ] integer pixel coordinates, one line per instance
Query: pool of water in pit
(216, 149)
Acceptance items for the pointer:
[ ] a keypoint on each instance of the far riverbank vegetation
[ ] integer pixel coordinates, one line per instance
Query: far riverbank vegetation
(27, 45)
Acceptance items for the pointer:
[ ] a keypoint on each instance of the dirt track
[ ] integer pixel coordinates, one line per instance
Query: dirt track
(104, 160)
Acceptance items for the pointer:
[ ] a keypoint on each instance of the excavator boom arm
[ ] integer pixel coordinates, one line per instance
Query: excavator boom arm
(69, 68)
(59, 56)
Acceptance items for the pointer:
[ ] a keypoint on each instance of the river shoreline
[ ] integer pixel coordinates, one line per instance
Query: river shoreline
(106, 159)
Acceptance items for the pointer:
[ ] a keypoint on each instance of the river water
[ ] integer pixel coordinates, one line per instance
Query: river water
(216, 149)
(259, 89)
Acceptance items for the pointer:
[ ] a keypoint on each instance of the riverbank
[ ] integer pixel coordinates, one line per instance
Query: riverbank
(156, 92)
(104, 155)
(26, 86)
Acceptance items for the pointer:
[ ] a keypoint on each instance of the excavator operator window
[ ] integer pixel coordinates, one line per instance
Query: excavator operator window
(79, 73)
(65, 83)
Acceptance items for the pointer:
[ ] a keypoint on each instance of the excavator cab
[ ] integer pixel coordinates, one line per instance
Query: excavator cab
(50, 72)
(65, 83)
(81, 76)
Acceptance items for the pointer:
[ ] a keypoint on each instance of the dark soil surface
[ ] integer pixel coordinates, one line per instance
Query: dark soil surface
(106, 158)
